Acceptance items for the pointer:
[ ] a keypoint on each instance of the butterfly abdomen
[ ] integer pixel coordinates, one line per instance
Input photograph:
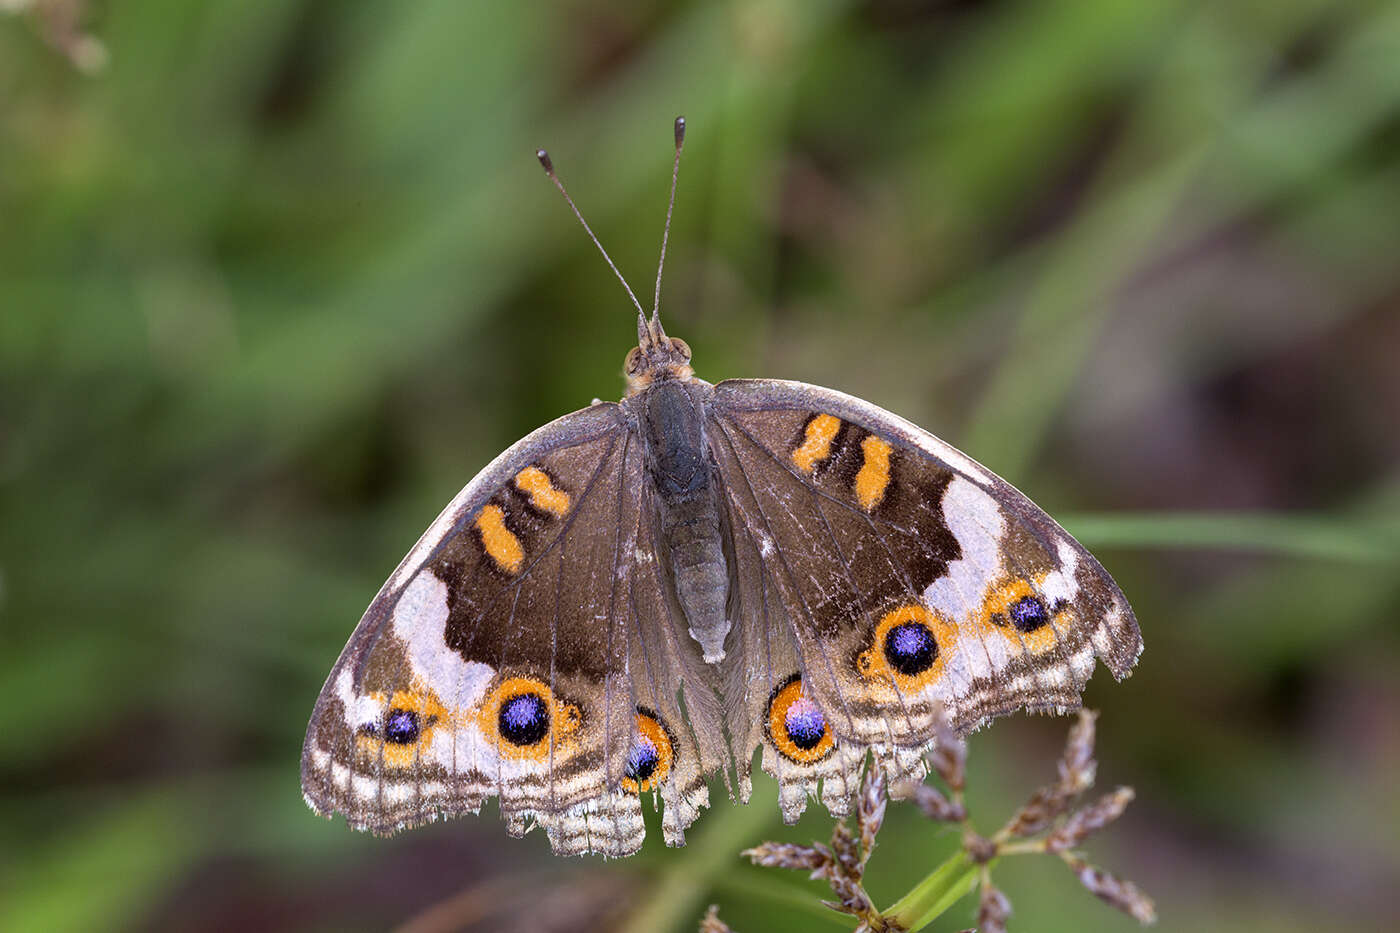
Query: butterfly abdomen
(672, 419)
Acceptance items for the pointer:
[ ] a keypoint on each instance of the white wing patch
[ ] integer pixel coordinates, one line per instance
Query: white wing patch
(1060, 583)
(360, 709)
(976, 521)
(420, 622)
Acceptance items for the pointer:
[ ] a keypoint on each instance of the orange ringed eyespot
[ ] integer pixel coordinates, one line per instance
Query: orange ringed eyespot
(650, 758)
(796, 725)
(907, 648)
(525, 718)
(403, 730)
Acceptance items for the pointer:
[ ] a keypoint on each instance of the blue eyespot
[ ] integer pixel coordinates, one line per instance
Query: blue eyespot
(796, 726)
(652, 753)
(642, 760)
(804, 723)
(910, 648)
(401, 727)
(524, 719)
(1028, 614)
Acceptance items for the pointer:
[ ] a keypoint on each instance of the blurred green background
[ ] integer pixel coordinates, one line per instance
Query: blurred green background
(276, 278)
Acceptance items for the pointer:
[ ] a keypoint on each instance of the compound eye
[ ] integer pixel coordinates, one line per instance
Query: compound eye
(634, 362)
(681, 347)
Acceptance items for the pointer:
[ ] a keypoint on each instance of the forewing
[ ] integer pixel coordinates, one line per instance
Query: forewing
(891, 574)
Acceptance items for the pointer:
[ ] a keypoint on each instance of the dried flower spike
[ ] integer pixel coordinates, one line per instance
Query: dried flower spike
(787, 855)
(934, 804)
(852, 899)
(993, 909)
(1077, 768)
(846, 850)
(1089, 820)
(1114, 891)
(870, 815)
(711, 923)
(949, 756)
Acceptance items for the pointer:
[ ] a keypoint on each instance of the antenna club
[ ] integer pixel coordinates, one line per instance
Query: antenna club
(545, 160)
(680, 132)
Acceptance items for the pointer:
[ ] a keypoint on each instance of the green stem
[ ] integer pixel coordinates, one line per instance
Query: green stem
(944, 887)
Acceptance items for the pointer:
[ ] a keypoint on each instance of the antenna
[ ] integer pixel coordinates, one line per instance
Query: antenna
(670, 206)
(549, 170)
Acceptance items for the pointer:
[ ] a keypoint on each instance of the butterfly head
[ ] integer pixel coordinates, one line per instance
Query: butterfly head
(656, 357)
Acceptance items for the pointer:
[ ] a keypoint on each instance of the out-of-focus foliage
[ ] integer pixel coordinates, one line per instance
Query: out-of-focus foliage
(277, 277)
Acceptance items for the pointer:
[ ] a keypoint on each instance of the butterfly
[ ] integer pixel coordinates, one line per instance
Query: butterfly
(638, 595)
